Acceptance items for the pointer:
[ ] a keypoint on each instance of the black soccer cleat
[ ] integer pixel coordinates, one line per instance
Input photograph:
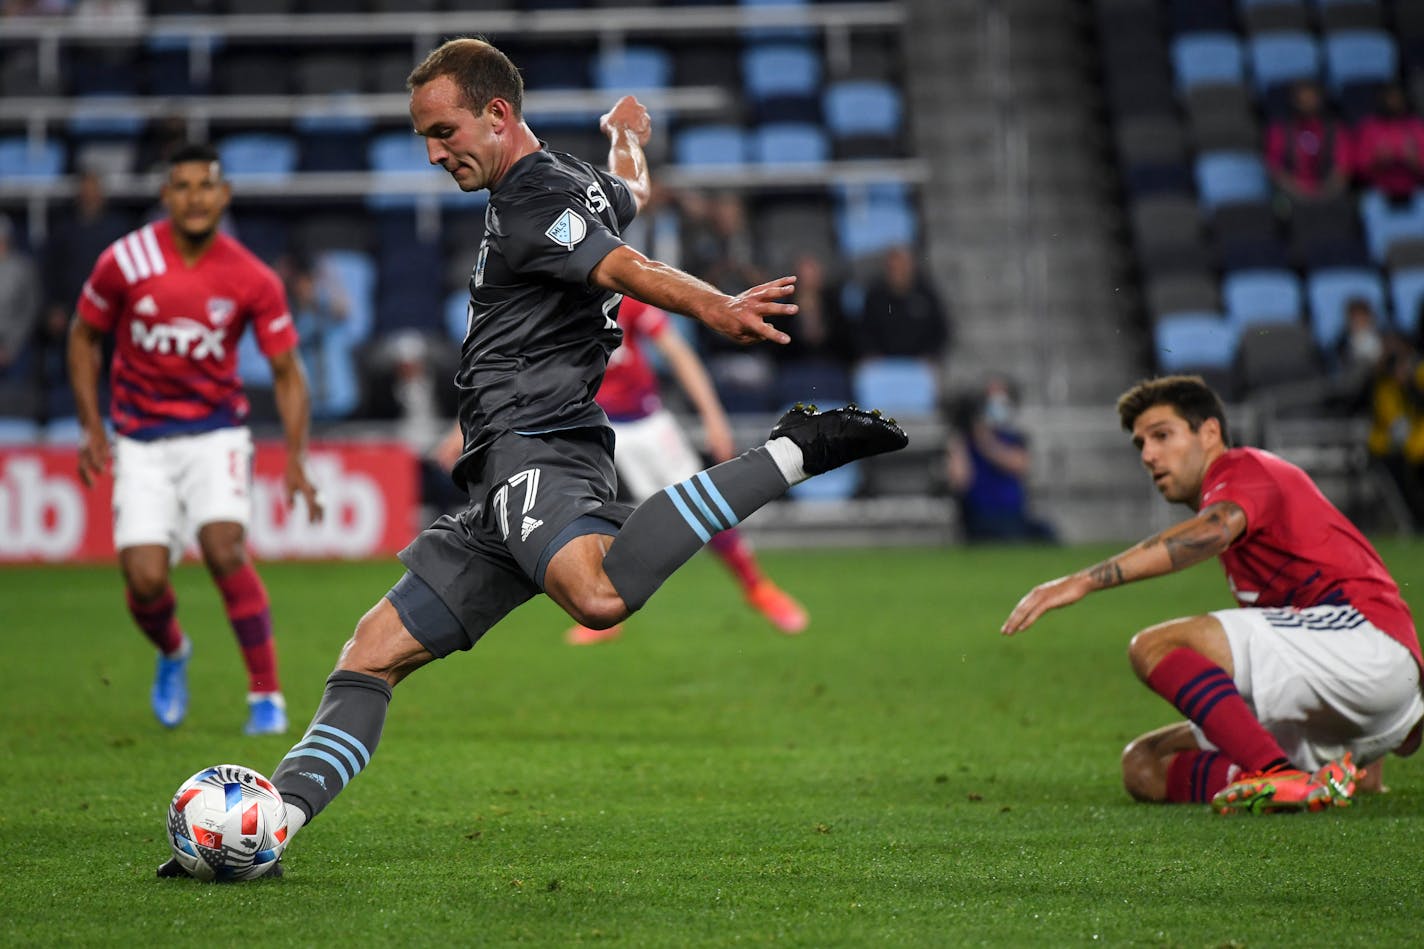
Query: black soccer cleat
(171, 868)
(836, 437)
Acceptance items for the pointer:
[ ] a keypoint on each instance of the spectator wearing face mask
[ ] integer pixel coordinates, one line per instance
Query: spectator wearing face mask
(1358, 352)
(987, 465)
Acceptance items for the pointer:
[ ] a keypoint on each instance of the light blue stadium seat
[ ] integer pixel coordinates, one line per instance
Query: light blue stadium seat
(1254, 297)
(632, 68)
(716, 144)
(18, 431)
(1360, 56)
(778, 33)
(97, 116)
(779, 143)
(1231, 177)
(872, 227)
(1406, 291)
(1385, 223)
(66, 431)
(896, 384)
(782, 69)
(1284, 57)
(268, 156)
(1191, 341)
(1328, 291)
(402, 156)
(1200, 59)
(862, 107)
(457, 314)
(31, 162)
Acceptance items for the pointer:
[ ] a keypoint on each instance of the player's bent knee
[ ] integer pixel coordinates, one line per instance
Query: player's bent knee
(382, 647)
(597, 610)
(1142, 774)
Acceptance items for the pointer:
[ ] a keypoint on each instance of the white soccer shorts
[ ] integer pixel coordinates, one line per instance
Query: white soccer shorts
(168, 487)
(1323, 680)
(652, 453)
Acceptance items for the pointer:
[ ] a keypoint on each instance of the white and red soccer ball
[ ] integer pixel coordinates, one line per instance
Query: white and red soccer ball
(227, 822)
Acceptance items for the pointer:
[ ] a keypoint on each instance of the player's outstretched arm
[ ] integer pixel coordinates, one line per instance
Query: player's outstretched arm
(1198, 538)
(289, 387)
(84, 355)
(742, 318)
(628, 128)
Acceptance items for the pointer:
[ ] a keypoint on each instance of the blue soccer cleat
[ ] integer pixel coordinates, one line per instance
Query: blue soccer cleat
(170, 689)
(266, 714)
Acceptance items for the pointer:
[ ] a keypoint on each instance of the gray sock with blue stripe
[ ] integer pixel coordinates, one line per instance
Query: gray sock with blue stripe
(672, 525)
(338, 744)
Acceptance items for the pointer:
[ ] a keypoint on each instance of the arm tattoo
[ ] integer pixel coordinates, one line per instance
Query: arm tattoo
(1106, 574)
(1200, 538)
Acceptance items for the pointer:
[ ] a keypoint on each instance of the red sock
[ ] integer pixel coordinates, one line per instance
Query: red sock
(158, 620)
(245, 598)
(1202, 691)
(1194, 777)
(735, 553)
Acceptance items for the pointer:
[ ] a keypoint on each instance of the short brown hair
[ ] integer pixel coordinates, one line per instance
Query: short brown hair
(1190, 396)
(481, 71)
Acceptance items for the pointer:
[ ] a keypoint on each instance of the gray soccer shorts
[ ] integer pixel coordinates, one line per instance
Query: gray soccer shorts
(536, 493)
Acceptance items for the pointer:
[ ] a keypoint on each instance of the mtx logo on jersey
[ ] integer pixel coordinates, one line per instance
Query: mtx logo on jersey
(184, 337)
(567, 230)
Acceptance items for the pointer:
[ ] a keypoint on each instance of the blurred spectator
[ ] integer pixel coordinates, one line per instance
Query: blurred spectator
(717, 244)
(1389, 147)
(987, 464)
(1396, 438)
(1358, 354)
(903, 314)
(819, 331)
(1308, 152)
(408, 383)
(35, 7)
(73, 246)
(320, 310)
(19, 304)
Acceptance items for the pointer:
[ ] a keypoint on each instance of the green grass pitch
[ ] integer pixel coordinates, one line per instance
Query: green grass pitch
(899, 775)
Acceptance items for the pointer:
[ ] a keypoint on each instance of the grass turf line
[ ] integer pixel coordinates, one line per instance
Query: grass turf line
(899, 775)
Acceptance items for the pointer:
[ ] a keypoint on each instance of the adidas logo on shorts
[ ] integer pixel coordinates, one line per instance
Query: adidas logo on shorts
(531, 524)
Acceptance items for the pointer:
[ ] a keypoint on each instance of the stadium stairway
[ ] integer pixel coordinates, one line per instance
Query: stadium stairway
(1021, 221)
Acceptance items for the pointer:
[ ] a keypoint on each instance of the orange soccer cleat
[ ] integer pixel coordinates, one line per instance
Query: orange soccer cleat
(1272, 792)
(587, 636)
(1340, 777)
(777, 606)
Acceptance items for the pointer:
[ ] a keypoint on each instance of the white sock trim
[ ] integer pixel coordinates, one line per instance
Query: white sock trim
(274, 696)
(788, 458)
(296, 819)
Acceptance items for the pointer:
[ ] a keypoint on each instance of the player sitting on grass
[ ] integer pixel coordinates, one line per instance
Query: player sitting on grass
(1318, 669)
(538, 459)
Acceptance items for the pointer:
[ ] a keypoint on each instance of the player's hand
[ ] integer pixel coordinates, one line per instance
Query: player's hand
(451, 447)
(1045, 597)
(93, 456)
(719, 439)
(627, 114)
(743, 317)
(295, 481)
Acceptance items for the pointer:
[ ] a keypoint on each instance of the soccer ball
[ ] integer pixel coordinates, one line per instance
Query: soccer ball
(227, 822)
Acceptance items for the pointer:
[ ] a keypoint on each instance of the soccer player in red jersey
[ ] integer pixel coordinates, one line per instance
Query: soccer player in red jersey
(177, 296)
(652, 451)
(1317, 671)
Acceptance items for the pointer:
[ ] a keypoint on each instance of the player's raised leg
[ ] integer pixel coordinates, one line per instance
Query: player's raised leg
(672, 525)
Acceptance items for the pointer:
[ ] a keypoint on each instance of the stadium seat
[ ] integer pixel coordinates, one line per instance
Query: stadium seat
(896, 384)
(400, 159)
(788, 32)
(1328, 292)
(716, 144)
(1326, 234)
(457, 314)
(22, 431)
(1406, 290)
(1386, 223)
(355, 272)
(838, 484)
(266, 156)
(101, 115)
(863, 117)
(1164, 226)
(783, 82)
(631, 68)
(1200, 16)
(1277, 355)
(320, 74)
(1200, 59)
(33, 162)
(1191, 341)
(1150, 140)
(780, 143)
(1283, 58)
(1359, 56)
(1185, 292)
(1254, 297)
(865, 227)
(1337, 15)
(817, 381)
(1226, 177)
(1273, 16)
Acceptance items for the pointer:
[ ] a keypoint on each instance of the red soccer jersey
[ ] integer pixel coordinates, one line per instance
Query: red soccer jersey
(630, 386)
(1298, 549)
(177, 329)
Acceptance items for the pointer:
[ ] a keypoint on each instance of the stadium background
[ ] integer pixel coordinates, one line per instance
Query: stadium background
(1070, 174)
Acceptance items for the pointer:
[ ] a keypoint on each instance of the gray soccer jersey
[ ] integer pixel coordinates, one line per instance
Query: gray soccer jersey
(538, 335)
